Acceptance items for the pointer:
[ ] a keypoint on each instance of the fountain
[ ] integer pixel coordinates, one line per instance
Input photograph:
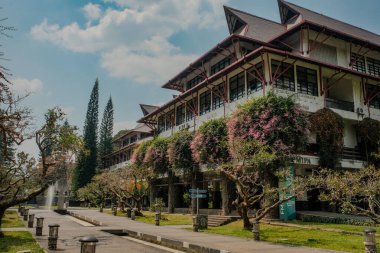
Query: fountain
(50, 196)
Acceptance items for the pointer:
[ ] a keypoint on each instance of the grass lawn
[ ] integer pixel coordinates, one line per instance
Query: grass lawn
(17, 241)
(297, 237)
(346, 227)
(166, 219)
(11, 220)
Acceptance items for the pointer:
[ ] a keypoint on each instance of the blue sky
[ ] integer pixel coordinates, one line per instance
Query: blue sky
(132, 46)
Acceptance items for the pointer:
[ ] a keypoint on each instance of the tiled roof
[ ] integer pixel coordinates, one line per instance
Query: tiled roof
(257, 28)
(334, 24)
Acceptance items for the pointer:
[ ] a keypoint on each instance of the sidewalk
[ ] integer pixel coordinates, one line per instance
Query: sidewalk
(227, 243)
(71, 231)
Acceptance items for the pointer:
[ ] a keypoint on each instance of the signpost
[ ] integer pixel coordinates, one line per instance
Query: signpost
(197, 194)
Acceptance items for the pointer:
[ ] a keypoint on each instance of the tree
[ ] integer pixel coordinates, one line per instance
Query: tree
(368, 133)
(129, 183)
(106, 132)
(156, 160)
(181, 160)
(95, 192)
(357, 194)
(22, 178)
(210, 146)
(264, 136)
(328, 126)
(87, 160)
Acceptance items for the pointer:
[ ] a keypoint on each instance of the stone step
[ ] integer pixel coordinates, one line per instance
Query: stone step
(218, 220)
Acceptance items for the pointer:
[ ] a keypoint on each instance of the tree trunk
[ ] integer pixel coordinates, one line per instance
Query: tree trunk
(225, 195)
(151, 193)
(2, 212)
(171, 192)
(244, 215)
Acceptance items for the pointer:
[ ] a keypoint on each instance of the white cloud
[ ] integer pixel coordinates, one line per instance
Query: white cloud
(92, 11)
(134, 40)
(22, 85)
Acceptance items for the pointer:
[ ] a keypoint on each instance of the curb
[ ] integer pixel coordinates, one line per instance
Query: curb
(170, 243)
(85, 218)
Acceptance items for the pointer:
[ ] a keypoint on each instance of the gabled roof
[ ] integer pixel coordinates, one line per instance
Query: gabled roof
(146, 109)
(252, 26)
(322, 20)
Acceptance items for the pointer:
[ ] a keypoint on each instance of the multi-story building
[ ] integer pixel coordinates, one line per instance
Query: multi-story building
(125, 143)
(320, 61)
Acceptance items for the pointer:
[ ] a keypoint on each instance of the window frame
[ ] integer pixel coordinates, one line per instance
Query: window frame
(220, 65)
(180, 115)
(284, 82)
(373, 66)
(306, 85)
(217, 101)
(205, 102)
(253, 80)
(237, 84)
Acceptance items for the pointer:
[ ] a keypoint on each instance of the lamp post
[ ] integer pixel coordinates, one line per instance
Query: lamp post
(26, 212)
(129, 212)
(53, 236)
(157, 218)
(22, 209)
(256, 230)
(39, 225)
(88, 244)
(30, 220)
(114, 210)
(133, 214)
(370, 240)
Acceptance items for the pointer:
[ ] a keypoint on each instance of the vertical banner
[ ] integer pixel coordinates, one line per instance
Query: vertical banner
(288, 208)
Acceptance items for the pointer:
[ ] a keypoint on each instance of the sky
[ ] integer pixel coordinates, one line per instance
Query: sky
(60, 47)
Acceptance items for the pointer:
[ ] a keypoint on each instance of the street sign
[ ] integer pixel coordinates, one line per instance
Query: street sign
(198, 196)
(197, 191)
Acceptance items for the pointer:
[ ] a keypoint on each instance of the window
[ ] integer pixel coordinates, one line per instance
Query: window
(373, 66)
(220, 65)
(189, 113)
(375, 102)
(169, 120)
(133, 139)
(254, 84)
(307, 81)
(358, 62)
(194, 81)
(237, 86)
(205, 102)
(161, 124)
(217, 93)
(180, 115)
(286, 80)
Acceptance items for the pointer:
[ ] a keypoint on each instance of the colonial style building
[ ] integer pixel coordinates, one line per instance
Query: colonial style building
(320, 61)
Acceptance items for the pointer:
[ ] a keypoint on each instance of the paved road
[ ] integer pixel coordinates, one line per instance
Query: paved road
(71, 231)
(229, 243)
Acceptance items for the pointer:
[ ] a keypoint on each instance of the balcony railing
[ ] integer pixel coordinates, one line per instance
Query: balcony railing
(340, 104)
(352, 154)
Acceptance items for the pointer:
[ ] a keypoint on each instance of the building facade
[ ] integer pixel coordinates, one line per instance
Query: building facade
(320, 61)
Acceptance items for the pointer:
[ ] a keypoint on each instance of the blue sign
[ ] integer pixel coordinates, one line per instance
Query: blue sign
(197, 191)
(198, 196)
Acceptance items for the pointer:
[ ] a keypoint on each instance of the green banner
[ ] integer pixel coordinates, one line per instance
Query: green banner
(288, 208)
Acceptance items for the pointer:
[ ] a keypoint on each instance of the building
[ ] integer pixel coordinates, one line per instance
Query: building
(321, 61)
(125, 143)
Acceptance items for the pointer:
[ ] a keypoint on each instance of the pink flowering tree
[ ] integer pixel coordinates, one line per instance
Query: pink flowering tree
(181, 160)
(210, 146)
(156, 159)
(264, 136)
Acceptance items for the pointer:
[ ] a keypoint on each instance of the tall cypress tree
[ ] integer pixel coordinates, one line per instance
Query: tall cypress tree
(106, 132)
(87, 160)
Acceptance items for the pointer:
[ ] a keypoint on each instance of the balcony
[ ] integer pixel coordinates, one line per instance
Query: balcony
(340, 104)
(352, 154)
